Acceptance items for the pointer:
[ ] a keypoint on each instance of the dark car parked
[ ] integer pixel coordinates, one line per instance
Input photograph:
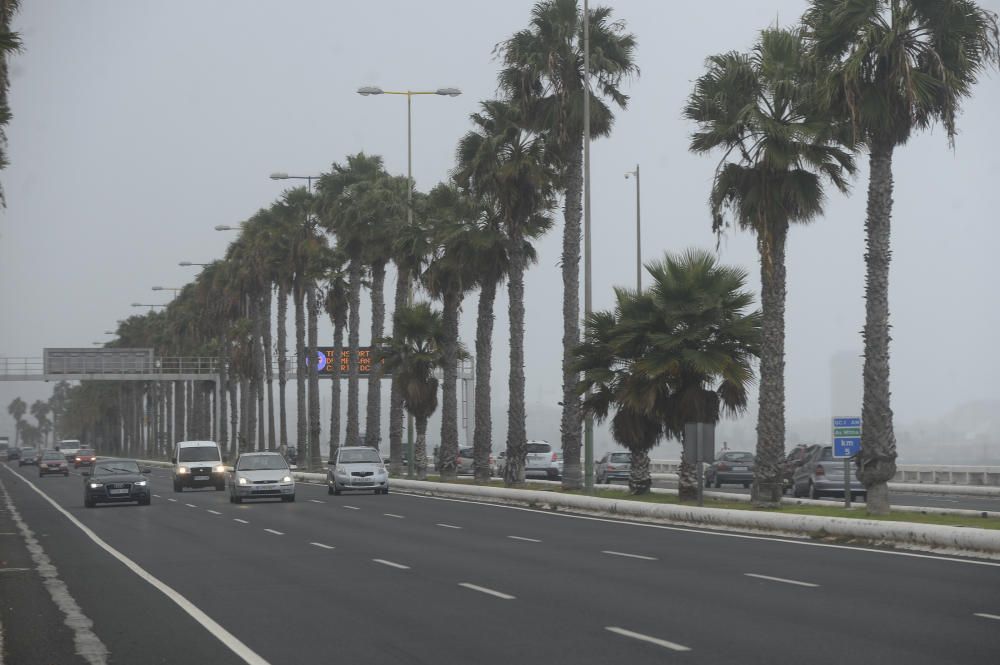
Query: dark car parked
(115, 481)
(613, 466)
(732, 468)
(794, 460)
(52, 461)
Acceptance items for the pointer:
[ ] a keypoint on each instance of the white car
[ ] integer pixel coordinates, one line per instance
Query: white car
(541, 460)
(198, 464)
(357, 468)
(261, 476)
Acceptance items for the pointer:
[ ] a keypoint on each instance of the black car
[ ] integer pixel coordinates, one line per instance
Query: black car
(115, 481)
(732, 468)
(13, 454)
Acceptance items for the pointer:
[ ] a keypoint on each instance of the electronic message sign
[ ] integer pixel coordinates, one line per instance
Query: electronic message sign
(325, 364)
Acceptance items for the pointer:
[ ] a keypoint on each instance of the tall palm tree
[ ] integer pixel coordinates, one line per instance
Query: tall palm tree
(10, 42)
(336, 305)
(498, 159)
(413, 355)
(694, 346)
(449, 275)
(544, 74)
(40, 409)
(348, 196)
(17, 408)
(895, 66)
(759, 109)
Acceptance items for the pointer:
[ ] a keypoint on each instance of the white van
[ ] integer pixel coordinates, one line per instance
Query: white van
(69, 448)
(198, 464)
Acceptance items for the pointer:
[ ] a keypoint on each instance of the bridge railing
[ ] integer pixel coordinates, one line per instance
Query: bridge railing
(96, 366)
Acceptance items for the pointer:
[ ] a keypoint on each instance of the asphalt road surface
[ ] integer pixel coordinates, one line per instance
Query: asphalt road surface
(407, 579)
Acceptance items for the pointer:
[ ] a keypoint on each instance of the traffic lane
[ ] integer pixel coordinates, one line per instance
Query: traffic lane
(135, 622)
(373, 504)
(342, 588)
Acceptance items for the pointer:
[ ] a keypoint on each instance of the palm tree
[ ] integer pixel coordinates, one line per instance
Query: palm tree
(607, 358)
(336, 305)
(759, 110)
(413, 354)
(895, 67)
(10, 42)
(501, 161)
(543, 73)
(410, 250)
(40, 409)
(449, 275)
(694, 346)
(17, 408)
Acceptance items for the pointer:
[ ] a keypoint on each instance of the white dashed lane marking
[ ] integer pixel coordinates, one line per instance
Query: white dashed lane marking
(489, 592)
(448, 526)
(629, 556)
(391, 564)
(673, 646)
(352, 507)
(277, 533)
(987, 616)
(237, 519)
(326, 547)
(398, 517)
(780, 579)
(527, 540)
(214, 512)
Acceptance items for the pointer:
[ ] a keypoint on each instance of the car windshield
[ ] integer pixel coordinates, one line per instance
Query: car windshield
(27, 451)
(368, 456)
(261, 463)
(827, 454)
(83, 453)
(539, 448)
(737, 457)
(621, 458)
(113, 467)
(465, 452)
(53, 455)
(199, 454)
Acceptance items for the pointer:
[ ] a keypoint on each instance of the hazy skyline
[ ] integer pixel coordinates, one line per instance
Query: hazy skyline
(139, 126)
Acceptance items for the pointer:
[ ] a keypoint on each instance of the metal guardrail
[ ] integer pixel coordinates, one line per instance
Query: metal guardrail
(26, 367)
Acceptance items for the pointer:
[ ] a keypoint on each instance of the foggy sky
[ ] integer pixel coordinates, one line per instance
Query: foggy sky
(140, 125)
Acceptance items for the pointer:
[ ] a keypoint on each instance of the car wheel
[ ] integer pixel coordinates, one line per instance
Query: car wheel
(746, 485)
(385, 491)
(718, 484)
(336, 490)
(329, 489)
(288, 499)
(66, 475)
(237, 499)
(178, 487)
(87, 503)
(813, 493)
(219, 488)
(232, 499)
(145, 502)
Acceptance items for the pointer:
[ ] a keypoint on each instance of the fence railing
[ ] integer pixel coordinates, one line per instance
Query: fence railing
(97, 366)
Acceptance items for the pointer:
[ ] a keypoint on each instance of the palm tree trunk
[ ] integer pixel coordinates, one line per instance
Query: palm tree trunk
(482, 436)
(373, 422)
(338, 345)
(639, 478)
(282, 363)
(878, 441)
(222, 392)
(169, 418)
(244, 410)
(234, 442)
(314, 428)
(449, 394)
(571, 413)
(395, 390)
(269, 370)
(687, 479)
(767, 486)
(179, 410)
(300, 356)
(420, 448)
(189, 414)
(354, 324)
(516, 433)
(258, 367)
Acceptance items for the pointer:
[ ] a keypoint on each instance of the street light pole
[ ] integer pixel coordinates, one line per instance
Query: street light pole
(448, 92)
(638, 231)
(588, 425)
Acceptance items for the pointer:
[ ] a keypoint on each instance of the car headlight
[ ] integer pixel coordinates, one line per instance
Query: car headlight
(140, 483)
(95, 486)
(182, 470)
(243, 481)
(220, 469)
(286, 479)
(342, 472)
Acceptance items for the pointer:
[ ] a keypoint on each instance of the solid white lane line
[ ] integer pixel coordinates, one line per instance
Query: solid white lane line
(277, 533)
(172, 500)
(706, 532)
(391, 564)
(527, 540)
(781, 579)
(987, 616)
(449, 526)
(326, 547)
(214, 512)
(489, 592)
(237, 519)
(352, 507)
(646, 638)
(630, 556)
(220, 633)
(316, 501)
(190, 505)
(398, 517)
(157, 496)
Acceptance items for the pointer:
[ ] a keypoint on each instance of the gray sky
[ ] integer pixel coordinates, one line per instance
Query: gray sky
(140, 125)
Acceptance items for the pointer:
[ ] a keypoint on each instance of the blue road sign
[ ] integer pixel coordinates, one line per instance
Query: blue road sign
(847, 422)
(846, 437)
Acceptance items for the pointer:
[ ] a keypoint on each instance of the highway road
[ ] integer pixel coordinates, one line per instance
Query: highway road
(408, 579)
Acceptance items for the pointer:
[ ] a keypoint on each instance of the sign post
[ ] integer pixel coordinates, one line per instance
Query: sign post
(846, 444)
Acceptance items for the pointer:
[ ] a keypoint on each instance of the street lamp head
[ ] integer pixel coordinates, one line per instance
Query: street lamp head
(184, 264)
(627, 175)
(137, 304)
(279, 175)
(159, 288)
(370, 90)
(450, 92)
(224, 227)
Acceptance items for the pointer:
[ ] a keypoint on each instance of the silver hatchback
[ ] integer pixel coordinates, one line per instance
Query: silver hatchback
(821, 475)
(263, 475)
(357, 468)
